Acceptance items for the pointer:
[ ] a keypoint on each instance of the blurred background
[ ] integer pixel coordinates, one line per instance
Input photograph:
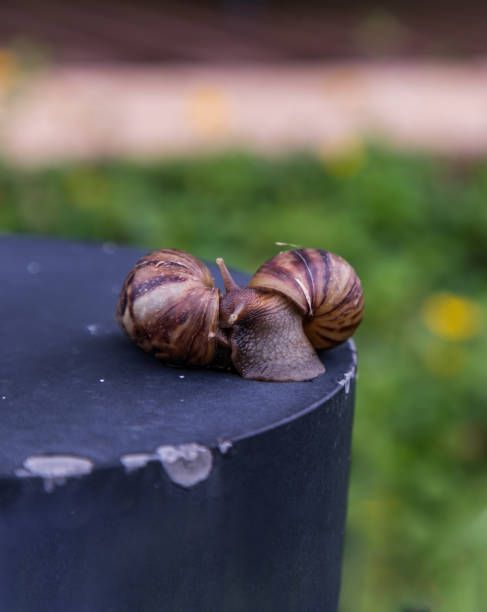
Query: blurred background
(223, 127)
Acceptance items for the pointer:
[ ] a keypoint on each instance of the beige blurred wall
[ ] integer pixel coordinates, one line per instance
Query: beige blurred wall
(82, 112)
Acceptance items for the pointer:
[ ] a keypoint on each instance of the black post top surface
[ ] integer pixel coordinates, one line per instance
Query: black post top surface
(72, 383)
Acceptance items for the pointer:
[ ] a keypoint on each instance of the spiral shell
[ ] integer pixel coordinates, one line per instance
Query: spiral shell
(325, 288)
(169, 306)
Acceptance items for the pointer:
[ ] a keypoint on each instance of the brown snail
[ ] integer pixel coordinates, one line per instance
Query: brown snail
(295, 303)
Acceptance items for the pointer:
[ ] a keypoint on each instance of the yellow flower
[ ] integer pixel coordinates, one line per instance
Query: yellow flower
(208, 110)
(7, 68)
(452, 317)
(344, 158)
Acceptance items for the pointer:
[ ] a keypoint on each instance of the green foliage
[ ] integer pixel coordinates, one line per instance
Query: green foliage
(413, 228)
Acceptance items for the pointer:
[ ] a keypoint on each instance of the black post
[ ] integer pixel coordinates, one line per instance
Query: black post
(128, 485)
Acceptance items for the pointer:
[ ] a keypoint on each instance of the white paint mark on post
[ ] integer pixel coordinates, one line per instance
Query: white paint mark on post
(348, 377)
(224, 446)
(135, 461)
(56, 469)
(93, 328)
(186, 464)
(347, 380)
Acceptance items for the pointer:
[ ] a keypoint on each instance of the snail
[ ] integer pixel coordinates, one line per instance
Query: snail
(296, 303)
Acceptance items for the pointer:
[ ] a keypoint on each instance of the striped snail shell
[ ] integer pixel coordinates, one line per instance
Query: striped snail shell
(325, 288)
(169, 306)
(295, 303)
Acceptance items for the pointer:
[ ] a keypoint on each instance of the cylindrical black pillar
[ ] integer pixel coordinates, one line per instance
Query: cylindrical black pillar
(129, 485)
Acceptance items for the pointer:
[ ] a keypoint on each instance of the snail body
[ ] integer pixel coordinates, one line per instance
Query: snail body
(297, 302)
(266, 337)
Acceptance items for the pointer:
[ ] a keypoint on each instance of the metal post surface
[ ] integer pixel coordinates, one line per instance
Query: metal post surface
(128, 485)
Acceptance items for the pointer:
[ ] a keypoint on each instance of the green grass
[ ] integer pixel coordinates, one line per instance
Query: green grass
(413, 228)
